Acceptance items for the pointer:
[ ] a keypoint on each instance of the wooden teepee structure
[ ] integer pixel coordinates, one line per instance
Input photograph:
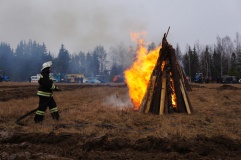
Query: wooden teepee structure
(167, 89)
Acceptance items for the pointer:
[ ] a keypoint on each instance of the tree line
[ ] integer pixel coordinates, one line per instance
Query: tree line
(28, 58)
(214, 61)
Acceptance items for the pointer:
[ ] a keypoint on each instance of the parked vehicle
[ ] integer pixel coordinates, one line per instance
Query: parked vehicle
(91, 80)
(75, 78)
(67, 78)
(53, 77)
(60, 77)
(102, 78)
(229, 79)
(34, 79)
(118, 79)
(3, 77)
(198, 78)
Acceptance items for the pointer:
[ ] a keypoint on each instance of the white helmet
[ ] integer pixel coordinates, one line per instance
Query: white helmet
(46, 65)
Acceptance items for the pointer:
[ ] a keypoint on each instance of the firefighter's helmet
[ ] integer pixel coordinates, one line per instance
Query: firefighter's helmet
(46, 65)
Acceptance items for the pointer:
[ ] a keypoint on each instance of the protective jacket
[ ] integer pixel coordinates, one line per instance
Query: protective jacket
(46, 85)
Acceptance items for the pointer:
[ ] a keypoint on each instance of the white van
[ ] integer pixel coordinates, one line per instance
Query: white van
(34, 79)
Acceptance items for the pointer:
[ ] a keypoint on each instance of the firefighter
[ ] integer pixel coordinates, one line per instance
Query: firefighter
(45, 90)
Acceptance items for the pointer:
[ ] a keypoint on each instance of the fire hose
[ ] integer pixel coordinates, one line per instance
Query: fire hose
(33, 111)
(29, 113)
(24, 116)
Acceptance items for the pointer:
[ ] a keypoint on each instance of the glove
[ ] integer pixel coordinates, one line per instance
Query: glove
(57, 89)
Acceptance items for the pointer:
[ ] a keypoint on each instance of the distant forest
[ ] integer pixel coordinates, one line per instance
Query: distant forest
(214, 60)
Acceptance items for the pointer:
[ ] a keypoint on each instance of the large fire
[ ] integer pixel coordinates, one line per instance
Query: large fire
(138, 75)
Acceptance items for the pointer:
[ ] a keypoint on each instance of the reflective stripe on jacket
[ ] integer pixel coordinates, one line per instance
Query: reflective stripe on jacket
(46, 85)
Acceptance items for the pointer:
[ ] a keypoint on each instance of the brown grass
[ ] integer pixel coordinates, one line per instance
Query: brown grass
(100, 110)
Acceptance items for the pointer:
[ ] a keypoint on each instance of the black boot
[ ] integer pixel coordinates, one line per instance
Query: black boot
(55, 115)
(38, 118)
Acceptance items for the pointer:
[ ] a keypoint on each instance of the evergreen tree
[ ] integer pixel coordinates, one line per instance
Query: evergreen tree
(77, 63)
(63, 61)
(82, 61)
(195, 62)
(239, 64)
(74, 64)
(113, 71)
(216, 66)
(21, 63)
(233, 69)
(116, 70)
(29, 58)
(206, 63)
(191, 63)
(95, 64)
(6, 59)
(88, 63)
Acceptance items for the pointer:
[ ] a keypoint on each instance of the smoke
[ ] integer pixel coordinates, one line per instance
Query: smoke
(118, 101)
(80, 25)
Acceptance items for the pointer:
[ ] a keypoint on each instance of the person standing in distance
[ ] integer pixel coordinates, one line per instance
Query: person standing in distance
(45, 93)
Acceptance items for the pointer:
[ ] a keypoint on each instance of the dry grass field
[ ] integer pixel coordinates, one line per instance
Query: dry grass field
(97, 122)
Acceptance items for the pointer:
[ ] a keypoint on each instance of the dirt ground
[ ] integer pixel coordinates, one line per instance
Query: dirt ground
(112, 130)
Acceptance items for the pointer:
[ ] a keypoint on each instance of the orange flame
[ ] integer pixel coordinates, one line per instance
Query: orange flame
(174, 103)
(138, 75)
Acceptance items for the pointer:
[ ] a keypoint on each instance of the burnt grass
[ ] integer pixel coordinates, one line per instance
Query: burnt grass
(65, 145)
(76, 146)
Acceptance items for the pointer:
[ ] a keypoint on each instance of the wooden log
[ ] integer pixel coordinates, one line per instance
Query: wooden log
(163, 92)
(185, 97)
(180, 72)
(155, 105)
(144, 99)
(154, 108)
(149, 98)
(175, 76)
(190, 105)
(183, 77)
(168, 90)
(186, 87)
(166, 104)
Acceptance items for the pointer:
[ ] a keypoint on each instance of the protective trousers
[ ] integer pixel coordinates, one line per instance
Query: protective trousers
(45, 102)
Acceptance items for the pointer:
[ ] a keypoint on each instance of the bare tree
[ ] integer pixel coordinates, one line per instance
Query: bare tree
(228, 49)
(237, 42)
(121, 55)
(178, 52)
(101, 54)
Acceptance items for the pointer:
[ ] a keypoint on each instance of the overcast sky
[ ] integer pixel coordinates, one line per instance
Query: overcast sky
(81, 25)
